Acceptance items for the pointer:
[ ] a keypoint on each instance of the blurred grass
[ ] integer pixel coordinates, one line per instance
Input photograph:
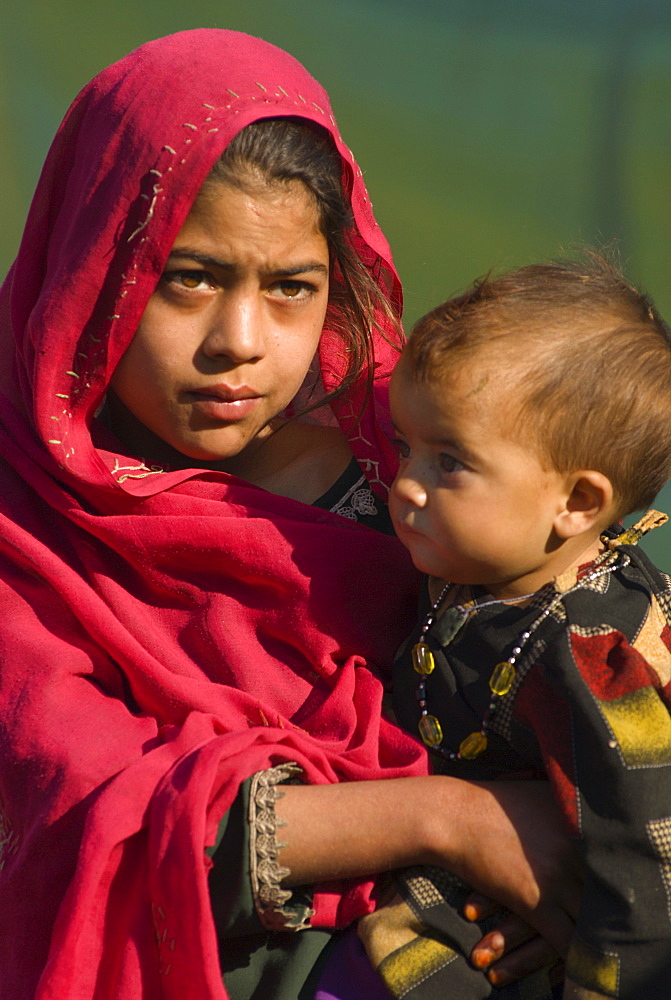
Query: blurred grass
(490, 134)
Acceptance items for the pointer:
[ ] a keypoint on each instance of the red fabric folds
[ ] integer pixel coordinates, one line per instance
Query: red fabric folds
(163, 635)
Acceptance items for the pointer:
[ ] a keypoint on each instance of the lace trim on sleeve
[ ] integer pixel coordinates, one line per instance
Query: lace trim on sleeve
(277, 908)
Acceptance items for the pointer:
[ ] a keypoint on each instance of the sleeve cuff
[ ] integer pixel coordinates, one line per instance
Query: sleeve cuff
(278, 909)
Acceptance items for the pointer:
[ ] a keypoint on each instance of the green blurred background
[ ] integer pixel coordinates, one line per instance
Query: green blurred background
(491, 132)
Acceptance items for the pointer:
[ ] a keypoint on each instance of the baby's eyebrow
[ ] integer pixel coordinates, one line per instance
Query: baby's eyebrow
(455, 446)
(459, 447)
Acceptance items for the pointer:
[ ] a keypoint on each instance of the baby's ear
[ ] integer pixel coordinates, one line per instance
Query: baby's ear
(589, 496)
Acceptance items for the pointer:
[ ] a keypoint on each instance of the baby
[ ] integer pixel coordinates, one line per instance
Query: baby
(532, 413)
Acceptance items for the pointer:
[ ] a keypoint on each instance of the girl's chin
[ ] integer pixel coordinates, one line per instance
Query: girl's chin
(191, 457)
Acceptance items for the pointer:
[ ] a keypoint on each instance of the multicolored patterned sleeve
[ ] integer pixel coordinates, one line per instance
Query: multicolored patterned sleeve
(599, 706)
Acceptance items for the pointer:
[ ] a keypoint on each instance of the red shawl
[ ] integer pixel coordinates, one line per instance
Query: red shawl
(163, 635)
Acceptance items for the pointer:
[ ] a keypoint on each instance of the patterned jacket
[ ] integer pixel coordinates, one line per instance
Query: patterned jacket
(589, 707)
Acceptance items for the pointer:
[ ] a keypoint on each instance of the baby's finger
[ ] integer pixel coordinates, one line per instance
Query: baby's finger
(532, 956)
(509, 934)
(477, 907)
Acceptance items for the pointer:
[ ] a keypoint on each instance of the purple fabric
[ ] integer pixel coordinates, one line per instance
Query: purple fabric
(348, 975)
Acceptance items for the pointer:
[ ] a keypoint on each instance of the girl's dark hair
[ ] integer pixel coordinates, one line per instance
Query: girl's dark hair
(280, 150)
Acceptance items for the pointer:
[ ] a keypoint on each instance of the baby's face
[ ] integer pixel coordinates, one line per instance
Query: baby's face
(470, 503)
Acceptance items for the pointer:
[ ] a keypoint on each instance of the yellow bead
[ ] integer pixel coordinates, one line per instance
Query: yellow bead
(430, 731)
(422, 658)
(473, 746)
(502, 678)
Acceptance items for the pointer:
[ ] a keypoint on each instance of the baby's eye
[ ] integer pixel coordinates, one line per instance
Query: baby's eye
(402, 449)
(450, 464)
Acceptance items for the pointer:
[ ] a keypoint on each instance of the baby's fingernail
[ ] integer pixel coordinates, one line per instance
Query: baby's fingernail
(482, 957)
(471, 912)
(498, 978)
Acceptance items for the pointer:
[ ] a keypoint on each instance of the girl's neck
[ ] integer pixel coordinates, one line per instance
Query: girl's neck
(293, 459)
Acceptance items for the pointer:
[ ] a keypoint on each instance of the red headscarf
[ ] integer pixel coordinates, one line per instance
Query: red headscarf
(164, 635)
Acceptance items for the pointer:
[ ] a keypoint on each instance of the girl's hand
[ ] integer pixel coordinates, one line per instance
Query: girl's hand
(506, 839)
(514, 848)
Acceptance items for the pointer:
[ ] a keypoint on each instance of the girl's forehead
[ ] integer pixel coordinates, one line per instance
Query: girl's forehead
(215, 193)
(275, 225)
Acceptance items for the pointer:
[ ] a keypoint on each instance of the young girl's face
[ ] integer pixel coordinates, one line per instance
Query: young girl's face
(229, 333)
(470, 503)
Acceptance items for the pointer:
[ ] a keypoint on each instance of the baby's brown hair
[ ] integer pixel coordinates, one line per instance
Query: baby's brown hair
(586, 353)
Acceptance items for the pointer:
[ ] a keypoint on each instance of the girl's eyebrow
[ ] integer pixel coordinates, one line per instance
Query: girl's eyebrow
(206, 260)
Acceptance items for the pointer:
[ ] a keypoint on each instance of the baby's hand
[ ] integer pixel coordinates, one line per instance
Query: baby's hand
(513, 949)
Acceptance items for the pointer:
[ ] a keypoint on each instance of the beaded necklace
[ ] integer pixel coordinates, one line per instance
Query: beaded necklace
(504, 673)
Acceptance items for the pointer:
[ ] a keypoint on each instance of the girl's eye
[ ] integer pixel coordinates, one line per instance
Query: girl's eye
(292, 290)
(189, 279)
(450, 464)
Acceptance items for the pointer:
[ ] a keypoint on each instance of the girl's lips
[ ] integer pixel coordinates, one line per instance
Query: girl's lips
(226, 393)
(223, 403)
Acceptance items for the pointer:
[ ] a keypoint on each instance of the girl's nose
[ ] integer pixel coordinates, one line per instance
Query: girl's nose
(409, 489)
(235, 331)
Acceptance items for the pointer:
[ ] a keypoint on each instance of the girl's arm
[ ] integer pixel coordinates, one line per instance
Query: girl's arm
(505, 839)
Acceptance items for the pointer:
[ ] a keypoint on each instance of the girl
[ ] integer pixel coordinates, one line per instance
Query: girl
(197, 336)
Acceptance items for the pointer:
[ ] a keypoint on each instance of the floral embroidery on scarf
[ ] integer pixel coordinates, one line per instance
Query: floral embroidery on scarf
(361, 502)
(134, 471)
